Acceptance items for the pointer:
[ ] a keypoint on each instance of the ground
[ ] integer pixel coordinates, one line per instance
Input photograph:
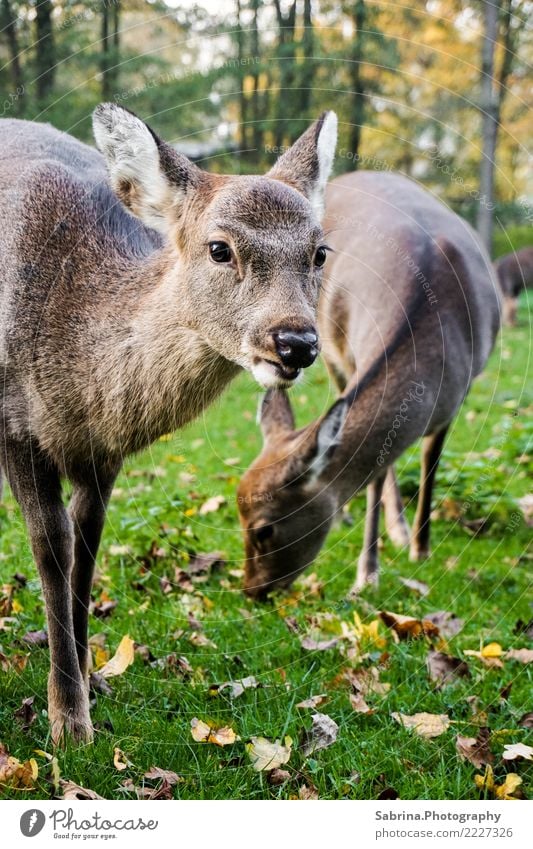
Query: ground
(154, 526)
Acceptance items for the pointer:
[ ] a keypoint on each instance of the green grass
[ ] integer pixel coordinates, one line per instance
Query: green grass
(486, 580)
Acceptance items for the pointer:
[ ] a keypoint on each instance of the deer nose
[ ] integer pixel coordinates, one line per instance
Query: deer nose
(296, 349)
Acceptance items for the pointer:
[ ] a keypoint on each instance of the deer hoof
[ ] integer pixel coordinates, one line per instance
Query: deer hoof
(399, 534)
(74, 728)
(361, 583)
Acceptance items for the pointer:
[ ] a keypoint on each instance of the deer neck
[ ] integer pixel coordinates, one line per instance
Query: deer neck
(155, 371)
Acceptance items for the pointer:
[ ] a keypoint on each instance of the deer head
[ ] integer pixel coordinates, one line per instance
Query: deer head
(286, 502)
(243, 253)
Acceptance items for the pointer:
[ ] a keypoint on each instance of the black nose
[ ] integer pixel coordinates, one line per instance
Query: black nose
(296, 349)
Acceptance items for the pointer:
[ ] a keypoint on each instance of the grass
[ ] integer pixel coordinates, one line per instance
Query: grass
(484, 579)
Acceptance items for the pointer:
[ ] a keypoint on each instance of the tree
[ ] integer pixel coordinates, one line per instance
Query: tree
(45, 52)
(110, 46)
(358, 91)
(489, 123)
(9, 28)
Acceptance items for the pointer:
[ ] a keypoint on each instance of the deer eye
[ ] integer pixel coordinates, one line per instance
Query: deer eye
(220, 252)
(262, 534)
(320, 256)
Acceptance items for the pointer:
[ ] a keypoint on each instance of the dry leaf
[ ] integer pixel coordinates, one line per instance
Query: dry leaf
(212, 505)
(204, 564)
(266, 755)
(120, 760)
(307, 791)
(475, 749)
(276, 777)
(323, 734)
(417, 586)
(526, 720)
(424, 724)
(448, 623)
(358, 703)
(313, 701)
(123, 657)
(26, 713)
(200, 730)
(444, 669)
(237, 687)
(507, 790)
(36, 638)
(14, 773)
(517, 750)
(407, 627)
(71, 790)
(155, 773)
(312, 644)
(204, 733)
(522, 655)
(489, 655)
(366, 681)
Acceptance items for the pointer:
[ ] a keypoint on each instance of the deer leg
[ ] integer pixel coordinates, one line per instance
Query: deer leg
(37, 487)
(87, 510)
(431, 452)
(395, 521)
(368, 563)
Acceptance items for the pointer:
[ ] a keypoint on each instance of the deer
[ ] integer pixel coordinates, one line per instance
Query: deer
(408, 315)
(515, 273)
(135, 286)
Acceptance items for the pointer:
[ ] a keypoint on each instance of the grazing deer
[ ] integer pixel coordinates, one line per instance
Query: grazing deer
(408, 316)
(515, 273)
(121, 321)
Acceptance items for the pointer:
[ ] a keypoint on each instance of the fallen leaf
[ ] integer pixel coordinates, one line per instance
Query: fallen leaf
(526, 720)
(155, 773)
(311, 584)
(358, 703)
(204, 564)
(276, 777)
(98, 684)
(104, 607)
(212, 505)
(312, 644)
(489, 655)
(36, 638)
(204, 733)
(237, 687)
(507, 790)
(307, 791)
(407, 627)
(366, 681)
(522, 655)
(369, 632)
(424, 724)
(54, 768)
(123, 657)
(120, 760)
(201, 641)
(313, 701)
(448, 623)
(417, 586)
(323, 734)
(444, 669)
(475, 749)
(71, 790)
(517, 750)
(15, 773)
(524, 628)
(25, 713)
(526, 506)
(119, 550)
(200, 730)
(266, 755)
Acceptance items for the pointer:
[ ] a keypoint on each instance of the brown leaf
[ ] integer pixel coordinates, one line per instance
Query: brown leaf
(475, 749)
(155, 773)
(204, 564)
(120, 760)
(358, 703)
(522, 655)
(526, 720)
(424, 724)
(307, 791)
(204, 733)
(312, 644)
(237, 687)
(417, 586)
(14, 773)
(489, 655)
(406, 627)
(276, 777)
(200, 730)
(517, 750)
(98, 684)
(212, 505)
(366, 681)
(267, 756)
(123, 657)
(36, 638)
(313, 701)
(71, 790)
(444, 669)
(323, 734)
(178, 663)
(25, 713)
(448, 623)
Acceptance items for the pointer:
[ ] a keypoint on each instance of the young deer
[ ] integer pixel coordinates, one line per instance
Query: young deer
(116, 329)
(515, 273)
(408, 316)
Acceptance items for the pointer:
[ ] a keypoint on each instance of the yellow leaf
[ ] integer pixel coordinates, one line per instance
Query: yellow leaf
(200, 730)
(266, 755)
(492, 650)
(486, 781)
(123, 657)
(509, 787)
(120, 760)
(16, 606)
(424, 724)
(223, 736)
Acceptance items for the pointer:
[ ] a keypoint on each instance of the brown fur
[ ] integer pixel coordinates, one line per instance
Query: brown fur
(515, 273)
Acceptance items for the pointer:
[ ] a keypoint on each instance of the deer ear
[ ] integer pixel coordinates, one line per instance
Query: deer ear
(275, 413)
(327, 438)
(148, 176)
(307, 164)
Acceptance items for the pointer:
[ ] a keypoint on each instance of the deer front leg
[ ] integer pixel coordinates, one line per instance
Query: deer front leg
(36, 486)
(368, 563)
(431, 451)
(395, 521)
(87, 510)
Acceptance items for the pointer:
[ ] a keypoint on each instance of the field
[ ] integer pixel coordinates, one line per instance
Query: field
(480, 571)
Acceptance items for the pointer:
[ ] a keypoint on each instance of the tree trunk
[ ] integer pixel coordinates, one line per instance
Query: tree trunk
(358, 101)
(110, 37)
(286, 27)
(243, 104)
(256, 116)
(8, 25)
(307, 74)
(489, 107)
(45, 49)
